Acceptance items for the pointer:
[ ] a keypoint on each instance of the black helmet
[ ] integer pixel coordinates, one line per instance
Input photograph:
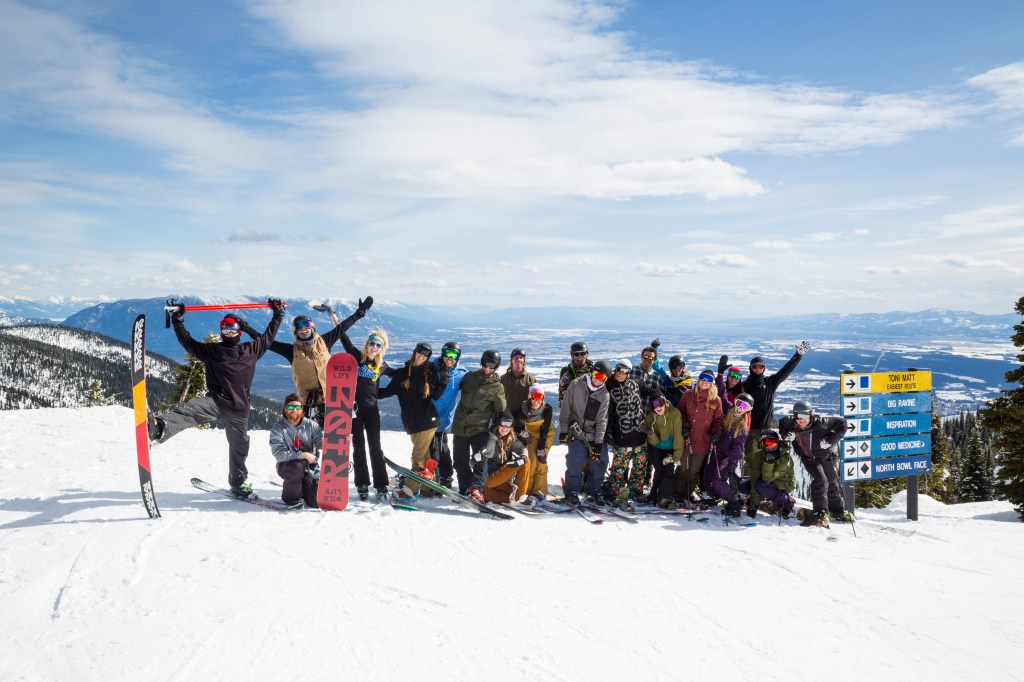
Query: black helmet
(303, 320)
(492, 357)
(747, 398)
(676, 362)
(424, 347)
(802, 407)
(452, 345)
(578, 347)
(770, 454)
(604, 367)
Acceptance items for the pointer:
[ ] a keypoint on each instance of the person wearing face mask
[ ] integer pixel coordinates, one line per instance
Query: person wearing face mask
(230, 368)
(296, 442)
(309, 353)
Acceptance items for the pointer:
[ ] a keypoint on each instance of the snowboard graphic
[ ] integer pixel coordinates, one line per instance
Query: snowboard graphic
(141, 412)
(332, 493)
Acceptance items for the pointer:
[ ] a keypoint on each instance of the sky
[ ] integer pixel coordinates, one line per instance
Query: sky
(724, 158)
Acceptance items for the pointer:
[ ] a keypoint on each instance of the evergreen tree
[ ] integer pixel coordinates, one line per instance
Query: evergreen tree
(976, 484)
(1004, 416)
(189, 379)
(939, 483)
(94, 396)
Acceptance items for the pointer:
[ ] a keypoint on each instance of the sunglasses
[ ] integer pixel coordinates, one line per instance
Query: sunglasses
(374, 344)
(579, 354)
(656, 403)
(304, 324)
(599, 377)
(451, 354)
(647, 357)
(770, 443)
(743, 406)
(802, 415)
(293, 408)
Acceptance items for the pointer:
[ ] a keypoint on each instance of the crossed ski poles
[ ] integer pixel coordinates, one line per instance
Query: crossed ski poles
(173, 305)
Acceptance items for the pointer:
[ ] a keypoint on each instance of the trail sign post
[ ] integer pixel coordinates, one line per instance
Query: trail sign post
(889, 432)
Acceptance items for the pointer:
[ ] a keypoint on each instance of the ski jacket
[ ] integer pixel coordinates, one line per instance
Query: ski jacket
(447, 402)
(729, 449)
(586, 407)
(496, 453)
(668, 431)
(418, 411)
(648, 381)
(818, 440)
(369, 374)
(287, 350)
(309, 362)
(537, 424)
(517, 388)
(700, 419)
(483, 398)
(288, 441)
(229, 369)
(762, 390)
(625, 413)
(571, 373)
(780, 473)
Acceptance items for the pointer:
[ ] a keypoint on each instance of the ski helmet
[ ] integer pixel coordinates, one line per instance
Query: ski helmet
(604, 367)
(301, 322)
(624, 365)
(745, 397)
(802, 407)
(771, 445)
(676, 362)
(452, 346)
(578, 347)
(424, 348)
(490, 357)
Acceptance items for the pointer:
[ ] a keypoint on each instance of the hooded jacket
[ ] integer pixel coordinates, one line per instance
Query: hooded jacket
(762, 389)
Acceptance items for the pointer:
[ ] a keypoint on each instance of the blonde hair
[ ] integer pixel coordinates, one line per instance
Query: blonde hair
(366, 345)
(712, 397)
(736, 422)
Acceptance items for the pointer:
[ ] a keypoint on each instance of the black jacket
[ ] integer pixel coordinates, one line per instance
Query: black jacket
(418, 411)
(817, 441)
(762, 390)
(229, 369)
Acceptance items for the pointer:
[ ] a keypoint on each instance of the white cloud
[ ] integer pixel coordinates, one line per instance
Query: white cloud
(824, 236)
(968, 262)
(988, 219)
(731, 260)
(1006, 83)
(775, 244)
(658, 270)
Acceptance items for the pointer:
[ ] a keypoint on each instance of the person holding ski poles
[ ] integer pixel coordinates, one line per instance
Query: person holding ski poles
(296, 442)
(814, 439)
(309, 353)
(583, 421)
(230, 368)
(727, 454)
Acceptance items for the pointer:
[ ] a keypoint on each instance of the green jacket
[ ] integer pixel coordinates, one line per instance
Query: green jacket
(483, 397)
(517, 388)
(780, 473)
(668, 431)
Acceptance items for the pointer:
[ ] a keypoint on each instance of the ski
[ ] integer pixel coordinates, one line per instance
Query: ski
(141, 407)
(587, 514)
(332, 492)
(608, 511)
(447, 492)
(252, 499)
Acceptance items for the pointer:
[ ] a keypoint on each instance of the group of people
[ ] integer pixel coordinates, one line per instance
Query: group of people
(633, 433)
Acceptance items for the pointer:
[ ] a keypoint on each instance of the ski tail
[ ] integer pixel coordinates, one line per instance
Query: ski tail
(141, 415)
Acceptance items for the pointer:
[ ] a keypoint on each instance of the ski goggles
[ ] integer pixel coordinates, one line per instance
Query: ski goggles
(303, 324)
(743, 406)
(580, 354)
(802, 416)
(599, 377)
(489, 365)
(706, 376)
(734, 374)
(656, 403)
(622, 368)
(507, 423)
(536, 395)
(770, 443)
(293, 408)
(451, 354)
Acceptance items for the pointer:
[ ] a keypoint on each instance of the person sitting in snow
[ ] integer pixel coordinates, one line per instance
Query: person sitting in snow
(535, 417)
(296, 442)
(506, 463)
(778, 478)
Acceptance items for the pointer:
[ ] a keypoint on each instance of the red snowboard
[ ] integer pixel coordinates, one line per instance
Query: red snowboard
(332, 493)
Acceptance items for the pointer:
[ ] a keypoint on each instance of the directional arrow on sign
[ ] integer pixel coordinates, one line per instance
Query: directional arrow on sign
(851, 406)
(850, 427)
(850, 383)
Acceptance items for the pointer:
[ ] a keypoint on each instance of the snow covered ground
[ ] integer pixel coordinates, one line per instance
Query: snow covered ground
(217, 589)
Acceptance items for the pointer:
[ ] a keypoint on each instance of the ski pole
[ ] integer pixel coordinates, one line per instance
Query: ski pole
(172, 306)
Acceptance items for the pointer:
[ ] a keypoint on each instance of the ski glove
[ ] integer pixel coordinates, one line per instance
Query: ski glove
(563, 438)
(575, 431)
(517, 462)
(668, 460)
(715, 438)
(802, 348)
(655, 343)
(789, 437)
(524, 437)
(364, 305)
(275, 304)
(723, 364)
(645, 428)
(245, 327)
(542, 456)
(595, 451)
(686, 433)
(323, 309)
(179, 314)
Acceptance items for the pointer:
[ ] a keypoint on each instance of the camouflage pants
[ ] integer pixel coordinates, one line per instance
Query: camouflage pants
(628, 471)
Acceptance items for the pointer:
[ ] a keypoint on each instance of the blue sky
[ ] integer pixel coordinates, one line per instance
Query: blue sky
(722, 158)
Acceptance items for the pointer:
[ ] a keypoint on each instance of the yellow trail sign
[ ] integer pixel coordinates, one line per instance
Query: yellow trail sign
(885, 382)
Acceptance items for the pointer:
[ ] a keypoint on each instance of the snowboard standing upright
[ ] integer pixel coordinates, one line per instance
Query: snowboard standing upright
(141, 415)
(332, 492)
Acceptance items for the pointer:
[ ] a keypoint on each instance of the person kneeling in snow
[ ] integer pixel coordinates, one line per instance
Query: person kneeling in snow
(778, 479)
(295, 442)
(506, 463)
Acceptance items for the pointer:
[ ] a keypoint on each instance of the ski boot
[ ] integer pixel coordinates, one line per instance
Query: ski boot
(734, 508)
(364, 492)
(242, 491)
(475, 495)
(382, 494)
(842, 516)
